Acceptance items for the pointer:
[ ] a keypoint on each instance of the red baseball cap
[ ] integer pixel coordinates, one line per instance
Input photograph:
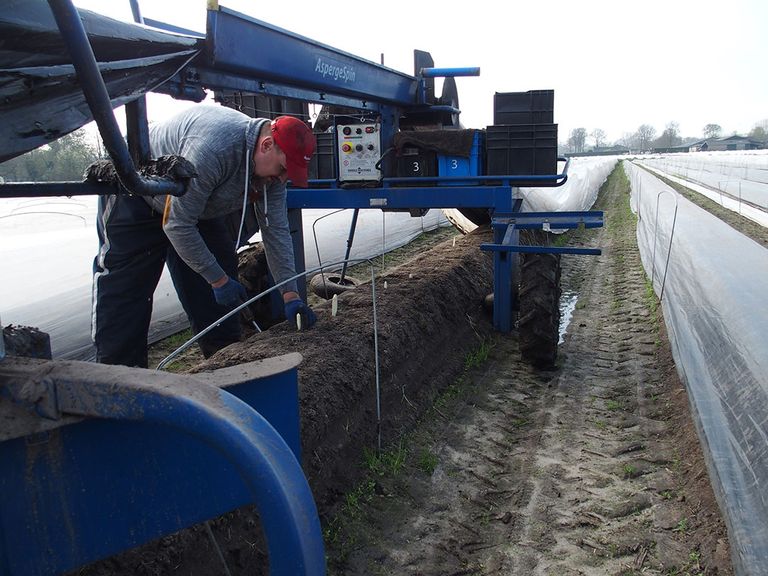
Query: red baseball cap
(295, 138)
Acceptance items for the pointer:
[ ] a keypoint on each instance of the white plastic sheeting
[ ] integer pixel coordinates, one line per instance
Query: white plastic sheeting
(47, 251)
(579, 193)
(750, 211)
(741, 174)
(714, 304)
(585, 176)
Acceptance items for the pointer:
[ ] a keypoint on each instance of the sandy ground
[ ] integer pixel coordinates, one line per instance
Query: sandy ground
(593, 468)
(488, 466)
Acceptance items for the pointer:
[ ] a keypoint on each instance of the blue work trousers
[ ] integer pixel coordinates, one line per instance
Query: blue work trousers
(132, 251)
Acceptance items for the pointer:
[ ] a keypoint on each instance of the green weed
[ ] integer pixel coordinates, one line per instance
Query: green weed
(477, 357)
(427, 462)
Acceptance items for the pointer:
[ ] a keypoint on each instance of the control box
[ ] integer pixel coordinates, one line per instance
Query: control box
(359, 152)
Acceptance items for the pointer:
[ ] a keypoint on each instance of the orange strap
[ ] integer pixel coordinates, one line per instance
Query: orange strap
(167, 209)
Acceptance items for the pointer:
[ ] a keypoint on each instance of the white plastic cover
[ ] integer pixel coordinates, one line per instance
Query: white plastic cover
(49, 244)
(714, 304)
(740, 174)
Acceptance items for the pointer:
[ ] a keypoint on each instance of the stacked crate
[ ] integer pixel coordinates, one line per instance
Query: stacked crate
(523, 138)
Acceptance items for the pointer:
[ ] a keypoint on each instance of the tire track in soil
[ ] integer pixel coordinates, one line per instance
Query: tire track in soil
(573, 471)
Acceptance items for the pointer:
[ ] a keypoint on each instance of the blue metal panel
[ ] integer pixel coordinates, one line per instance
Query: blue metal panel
(242, 44)
(499, 197)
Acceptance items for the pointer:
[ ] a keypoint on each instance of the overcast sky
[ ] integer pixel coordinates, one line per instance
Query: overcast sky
(613, 65)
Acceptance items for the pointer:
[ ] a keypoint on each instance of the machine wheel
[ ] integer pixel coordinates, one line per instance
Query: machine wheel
(326, 286)
(539, 299)
(477, 216)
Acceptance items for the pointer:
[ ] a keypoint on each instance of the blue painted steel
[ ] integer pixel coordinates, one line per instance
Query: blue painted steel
(505, 274)
(499, 197)
(555, 220)
(450, 72)
(502, 247)
(165, 452)
(241, 44)
(224, 80)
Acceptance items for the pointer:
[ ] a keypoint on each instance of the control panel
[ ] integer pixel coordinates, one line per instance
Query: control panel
(359, 151)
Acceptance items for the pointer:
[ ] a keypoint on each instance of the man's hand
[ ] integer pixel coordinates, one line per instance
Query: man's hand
(230, 294)
(297, 307)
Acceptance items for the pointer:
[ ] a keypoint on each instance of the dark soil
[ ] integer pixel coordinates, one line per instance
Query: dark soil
(488, 465)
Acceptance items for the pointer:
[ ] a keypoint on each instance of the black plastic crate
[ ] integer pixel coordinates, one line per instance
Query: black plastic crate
(513, 150)
(532, 107)
(323, 165)
(416, 162)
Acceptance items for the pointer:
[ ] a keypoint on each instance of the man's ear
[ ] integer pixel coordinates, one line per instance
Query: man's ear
(267, 144)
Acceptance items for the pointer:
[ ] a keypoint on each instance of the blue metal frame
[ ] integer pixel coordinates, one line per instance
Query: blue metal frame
(506, 246)
(123, 455)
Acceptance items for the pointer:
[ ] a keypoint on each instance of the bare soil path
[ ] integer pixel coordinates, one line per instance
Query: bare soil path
(593, 468)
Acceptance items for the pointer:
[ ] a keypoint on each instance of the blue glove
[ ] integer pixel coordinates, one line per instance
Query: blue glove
(231, 294)
(297, 306)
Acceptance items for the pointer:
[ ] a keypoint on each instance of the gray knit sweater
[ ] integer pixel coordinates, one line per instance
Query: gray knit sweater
(219, 141)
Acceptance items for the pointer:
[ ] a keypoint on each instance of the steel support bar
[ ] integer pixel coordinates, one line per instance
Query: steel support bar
(555, 220)
(248, 46)
(539, 249)
(505, 274)
(51, 189)
(190, 84)
(499, 197)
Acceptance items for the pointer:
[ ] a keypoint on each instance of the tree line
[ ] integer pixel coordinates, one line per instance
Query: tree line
(64, 159)
(645, 137)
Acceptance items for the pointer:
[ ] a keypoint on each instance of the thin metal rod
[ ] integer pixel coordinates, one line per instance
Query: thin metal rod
(317, 245)
(248, 302)
(377, 369)
(216, 547)
(350, 238)
(376, 357)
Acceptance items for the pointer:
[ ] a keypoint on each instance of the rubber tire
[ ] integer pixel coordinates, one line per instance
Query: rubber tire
(331, 286)
(539, 297)
(477, 216)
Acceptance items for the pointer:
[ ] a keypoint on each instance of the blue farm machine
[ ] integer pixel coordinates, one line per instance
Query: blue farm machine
(99, 459)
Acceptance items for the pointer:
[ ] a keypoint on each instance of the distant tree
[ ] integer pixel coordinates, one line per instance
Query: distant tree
(760, 131)
(645, 135)
(599, 137)
(712, 131)
(670, 137)
(577, 139)
(629, 140)
(60, 160)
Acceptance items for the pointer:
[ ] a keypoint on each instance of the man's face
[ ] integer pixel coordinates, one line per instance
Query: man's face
(269, 161)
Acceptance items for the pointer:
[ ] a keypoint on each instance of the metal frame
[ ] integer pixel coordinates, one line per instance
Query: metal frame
(119, 456)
